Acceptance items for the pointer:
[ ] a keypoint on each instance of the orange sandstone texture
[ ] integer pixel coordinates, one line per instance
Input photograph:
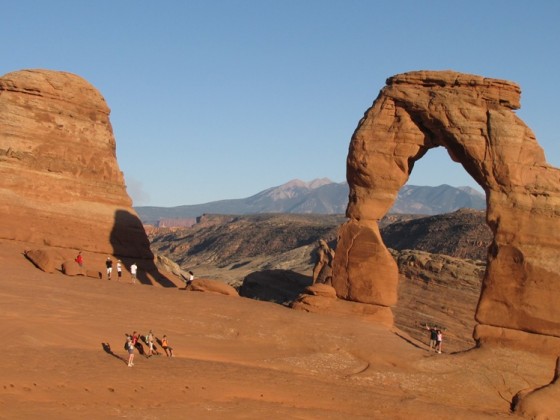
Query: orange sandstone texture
(60, 183)
(473, 118)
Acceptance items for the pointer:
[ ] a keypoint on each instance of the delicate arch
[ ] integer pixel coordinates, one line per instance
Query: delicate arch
(473, 118)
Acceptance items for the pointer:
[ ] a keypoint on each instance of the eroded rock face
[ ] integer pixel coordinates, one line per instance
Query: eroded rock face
(322, 270)
(542, 402)
(473, 118)
(212, 286)
(60, 184)
(321, 298)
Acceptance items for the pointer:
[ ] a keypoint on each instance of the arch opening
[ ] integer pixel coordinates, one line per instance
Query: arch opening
(441, 255)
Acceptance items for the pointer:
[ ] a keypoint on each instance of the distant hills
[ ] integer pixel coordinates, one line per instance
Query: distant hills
(461, 234)
(320, 196)
(414, 199)
(253, 242)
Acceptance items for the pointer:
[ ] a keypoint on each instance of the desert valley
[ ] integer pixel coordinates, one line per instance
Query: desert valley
(252, 336)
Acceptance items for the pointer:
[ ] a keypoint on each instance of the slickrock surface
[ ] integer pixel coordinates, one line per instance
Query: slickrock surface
(60, 184)
(235, 358)
(473, 118)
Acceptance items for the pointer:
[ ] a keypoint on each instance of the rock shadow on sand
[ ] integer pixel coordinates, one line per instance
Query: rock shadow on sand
(108, 350)
(278, 286)
(130, 243)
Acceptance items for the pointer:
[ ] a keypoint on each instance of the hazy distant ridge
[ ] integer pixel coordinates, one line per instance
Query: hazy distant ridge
(322, 196)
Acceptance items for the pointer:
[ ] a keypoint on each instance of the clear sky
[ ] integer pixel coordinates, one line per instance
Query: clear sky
(220, 99)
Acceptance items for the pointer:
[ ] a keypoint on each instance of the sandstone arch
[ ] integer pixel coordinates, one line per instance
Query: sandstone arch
(473, 118)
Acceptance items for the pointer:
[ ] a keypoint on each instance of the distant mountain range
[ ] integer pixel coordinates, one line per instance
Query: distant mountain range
(320, 196)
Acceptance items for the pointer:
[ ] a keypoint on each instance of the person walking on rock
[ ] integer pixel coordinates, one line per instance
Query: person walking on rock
(109, 265)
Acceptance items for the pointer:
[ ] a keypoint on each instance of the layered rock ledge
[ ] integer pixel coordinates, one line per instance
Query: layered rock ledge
(60, 183)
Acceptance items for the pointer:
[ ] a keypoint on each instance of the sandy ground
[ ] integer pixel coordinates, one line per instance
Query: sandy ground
(235, 358)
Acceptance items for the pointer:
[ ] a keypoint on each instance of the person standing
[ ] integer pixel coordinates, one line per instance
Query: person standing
(80, 259)
(433, 337)
(191, 278)
(439, 339)
(119, 269)
(109, 265)
(133, 269)
(136, 343)
(130, 349)
(150, 340)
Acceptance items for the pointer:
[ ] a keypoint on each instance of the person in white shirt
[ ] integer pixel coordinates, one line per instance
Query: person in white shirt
(133, 269)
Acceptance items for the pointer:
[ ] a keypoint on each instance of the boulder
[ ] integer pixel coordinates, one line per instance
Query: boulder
(213, 286)
(319, 303)
(51, 260)
(72, 268)
(45, 259)
(319, 289)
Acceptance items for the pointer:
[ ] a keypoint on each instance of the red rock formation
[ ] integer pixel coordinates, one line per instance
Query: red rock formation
(60, 184)
(541, 402)
(322, 270)
(212, 286)
(473, 118)
(321, 298)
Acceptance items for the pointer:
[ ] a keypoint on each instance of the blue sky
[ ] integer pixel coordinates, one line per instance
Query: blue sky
(219, 99)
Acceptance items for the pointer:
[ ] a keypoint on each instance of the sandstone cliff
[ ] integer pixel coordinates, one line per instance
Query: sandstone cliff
(60, 184)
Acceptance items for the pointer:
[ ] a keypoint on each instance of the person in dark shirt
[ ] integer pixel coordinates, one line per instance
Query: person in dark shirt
(109, 265)
(433, 337)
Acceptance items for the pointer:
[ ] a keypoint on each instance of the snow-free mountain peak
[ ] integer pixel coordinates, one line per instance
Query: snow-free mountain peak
(293, 188)
(320, 196)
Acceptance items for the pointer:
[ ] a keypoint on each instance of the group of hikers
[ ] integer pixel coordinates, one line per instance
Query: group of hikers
(119, 266)
(133, 269)
(135, 341)
(109, 267)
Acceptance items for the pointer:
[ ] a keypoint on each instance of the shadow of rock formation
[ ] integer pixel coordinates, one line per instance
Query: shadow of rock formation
(279, 286)
(130, 243)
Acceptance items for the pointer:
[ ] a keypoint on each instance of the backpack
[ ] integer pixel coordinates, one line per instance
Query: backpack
(126, 345)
